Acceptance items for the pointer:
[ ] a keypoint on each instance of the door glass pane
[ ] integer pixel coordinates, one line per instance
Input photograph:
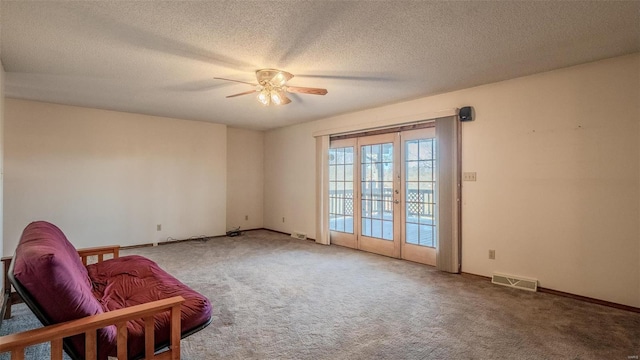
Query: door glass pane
(412, 151)
(348, 155)
(340, 155)
(366, 226)
(411, 168)
(425, 170)
(376, 154)
(376, 228)
(332, 172)
(412, 233)
(348, 171)
(387, 152)
(387, 230)
(376, 183)
(348, 224)
(366, 154)
(419, 184)
(341, 189)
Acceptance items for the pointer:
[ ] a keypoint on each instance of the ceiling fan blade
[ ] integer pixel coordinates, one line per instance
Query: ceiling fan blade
(238, 81)
(306, 90)
(284, 100)
(243, 93)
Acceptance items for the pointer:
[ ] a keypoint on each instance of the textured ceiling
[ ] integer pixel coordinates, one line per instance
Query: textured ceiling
(159, 58)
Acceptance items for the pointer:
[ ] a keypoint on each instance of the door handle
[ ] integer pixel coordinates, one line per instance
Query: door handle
(396, 201)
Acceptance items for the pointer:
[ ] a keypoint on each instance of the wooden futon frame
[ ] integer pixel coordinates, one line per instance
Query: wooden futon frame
(95, 304)
(16, 343)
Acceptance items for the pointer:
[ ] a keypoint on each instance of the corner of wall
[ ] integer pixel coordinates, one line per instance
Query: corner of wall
(245, 179)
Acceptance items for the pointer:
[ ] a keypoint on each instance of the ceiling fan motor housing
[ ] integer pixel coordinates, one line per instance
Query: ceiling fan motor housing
(271, 87)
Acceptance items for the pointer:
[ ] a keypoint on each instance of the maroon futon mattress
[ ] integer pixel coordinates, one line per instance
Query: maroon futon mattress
(48, 267)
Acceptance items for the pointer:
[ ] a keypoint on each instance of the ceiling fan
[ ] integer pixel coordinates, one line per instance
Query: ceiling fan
(272, 87)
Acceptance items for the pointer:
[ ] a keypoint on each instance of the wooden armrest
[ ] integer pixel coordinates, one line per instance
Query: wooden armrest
(16, 343)
(10, 297)
(6, 262)
(99, 251)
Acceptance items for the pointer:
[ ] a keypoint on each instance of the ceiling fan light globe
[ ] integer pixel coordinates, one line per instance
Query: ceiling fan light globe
(264, 97)
(275, 98)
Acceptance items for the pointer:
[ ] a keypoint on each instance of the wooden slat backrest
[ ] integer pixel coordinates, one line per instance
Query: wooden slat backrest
(16, 343)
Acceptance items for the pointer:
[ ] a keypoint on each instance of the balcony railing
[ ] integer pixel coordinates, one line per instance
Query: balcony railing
(419, 202)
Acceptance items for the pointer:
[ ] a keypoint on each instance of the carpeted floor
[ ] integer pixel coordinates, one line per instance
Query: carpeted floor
(276, 297)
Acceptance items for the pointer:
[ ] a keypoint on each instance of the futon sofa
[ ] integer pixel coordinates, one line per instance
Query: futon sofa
(55, 282)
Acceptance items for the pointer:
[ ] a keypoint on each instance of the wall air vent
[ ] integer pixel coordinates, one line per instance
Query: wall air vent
(299, 235)
(515, 282)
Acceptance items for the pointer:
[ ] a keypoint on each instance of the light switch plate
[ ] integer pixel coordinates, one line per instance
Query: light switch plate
(469, 176)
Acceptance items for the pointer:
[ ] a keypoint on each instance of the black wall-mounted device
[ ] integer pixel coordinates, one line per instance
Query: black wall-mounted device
(466, 113)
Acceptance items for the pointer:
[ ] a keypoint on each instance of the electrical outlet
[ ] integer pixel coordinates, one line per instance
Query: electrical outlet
(159, 227)
(246, 217)
(155, 244)
(492, 254)
(469, 176)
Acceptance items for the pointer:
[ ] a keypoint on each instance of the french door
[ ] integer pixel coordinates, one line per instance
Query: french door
(381, 194)
(419, 209)
(343, 204)
(379, 184)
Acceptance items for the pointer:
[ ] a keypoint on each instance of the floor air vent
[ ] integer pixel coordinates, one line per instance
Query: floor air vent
(515, 282)
(299, 235)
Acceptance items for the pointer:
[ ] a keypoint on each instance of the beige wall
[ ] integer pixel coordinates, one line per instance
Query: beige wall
(289, 180)
(109, 177)
(245, 178)
(557, 162)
